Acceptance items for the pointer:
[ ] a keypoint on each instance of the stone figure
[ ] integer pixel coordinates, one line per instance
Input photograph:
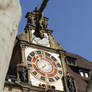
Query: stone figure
(23, 74)
(70, 83)
(10, 13)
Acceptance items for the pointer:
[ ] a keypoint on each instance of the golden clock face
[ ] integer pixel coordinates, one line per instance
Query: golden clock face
(44, 66)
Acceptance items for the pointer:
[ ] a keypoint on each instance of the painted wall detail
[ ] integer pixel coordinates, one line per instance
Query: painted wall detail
(37, 40)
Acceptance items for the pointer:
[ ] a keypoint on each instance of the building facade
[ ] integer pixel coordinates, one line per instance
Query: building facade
(40, 64)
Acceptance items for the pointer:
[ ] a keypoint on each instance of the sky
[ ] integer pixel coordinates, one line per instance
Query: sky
(71, 21)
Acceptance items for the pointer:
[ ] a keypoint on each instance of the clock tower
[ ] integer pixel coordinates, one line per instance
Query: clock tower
(42, 56)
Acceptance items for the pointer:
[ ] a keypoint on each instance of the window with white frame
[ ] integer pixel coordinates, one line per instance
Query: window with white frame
(84, 74)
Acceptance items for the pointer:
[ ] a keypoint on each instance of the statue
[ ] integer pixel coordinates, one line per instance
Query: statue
(23, 74)
(70, 83)
(39, 17)
(10, 13)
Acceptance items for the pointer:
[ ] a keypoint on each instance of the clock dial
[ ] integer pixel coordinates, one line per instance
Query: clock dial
(44, 66)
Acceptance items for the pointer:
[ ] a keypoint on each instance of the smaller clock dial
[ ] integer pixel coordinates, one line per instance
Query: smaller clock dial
(44, 41)
(44, 66)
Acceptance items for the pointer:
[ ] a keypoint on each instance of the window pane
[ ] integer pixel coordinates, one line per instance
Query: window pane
(81, 73)
(86, 75)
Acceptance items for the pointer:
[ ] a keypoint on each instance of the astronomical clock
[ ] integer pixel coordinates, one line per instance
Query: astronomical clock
(45, 67)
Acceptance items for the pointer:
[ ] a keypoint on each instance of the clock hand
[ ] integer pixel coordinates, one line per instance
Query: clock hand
(44, 66)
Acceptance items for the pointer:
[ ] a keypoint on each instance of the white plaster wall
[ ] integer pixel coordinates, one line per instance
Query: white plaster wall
(10, 13)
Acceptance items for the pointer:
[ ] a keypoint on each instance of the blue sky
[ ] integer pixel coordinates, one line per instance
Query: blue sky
(71, 21)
